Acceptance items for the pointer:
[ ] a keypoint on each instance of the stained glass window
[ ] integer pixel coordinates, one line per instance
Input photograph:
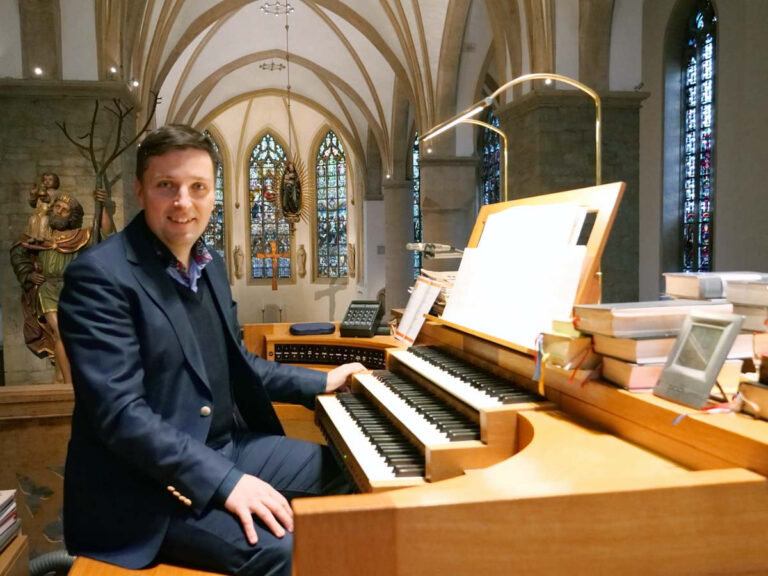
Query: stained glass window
(213, 236)
(698, 130)
(489, 172)
(266, 226)
(417, 236)
(331, 181)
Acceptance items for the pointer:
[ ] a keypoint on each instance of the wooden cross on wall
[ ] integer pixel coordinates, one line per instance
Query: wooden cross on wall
(273, 255)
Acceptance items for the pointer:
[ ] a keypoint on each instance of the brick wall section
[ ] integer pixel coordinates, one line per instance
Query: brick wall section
(551, 137)
(30, 144)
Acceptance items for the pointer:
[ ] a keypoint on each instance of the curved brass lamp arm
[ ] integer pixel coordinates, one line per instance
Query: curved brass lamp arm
(485, 102)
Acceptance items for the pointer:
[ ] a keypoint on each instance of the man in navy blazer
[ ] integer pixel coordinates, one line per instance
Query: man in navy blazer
(176, 453)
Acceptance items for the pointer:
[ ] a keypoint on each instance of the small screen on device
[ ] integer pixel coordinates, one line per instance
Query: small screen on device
(699, 346)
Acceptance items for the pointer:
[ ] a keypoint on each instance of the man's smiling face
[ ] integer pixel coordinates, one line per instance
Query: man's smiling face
(176, 192)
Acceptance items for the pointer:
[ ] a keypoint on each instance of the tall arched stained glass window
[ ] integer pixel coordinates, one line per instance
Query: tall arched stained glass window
(331, 235)
(489, 175)
(213, 236)
(266, 157)
(698, 138)
(417, 235)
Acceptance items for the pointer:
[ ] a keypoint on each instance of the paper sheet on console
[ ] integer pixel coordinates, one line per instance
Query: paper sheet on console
(424, 294)
(515, 296)
(543, 227)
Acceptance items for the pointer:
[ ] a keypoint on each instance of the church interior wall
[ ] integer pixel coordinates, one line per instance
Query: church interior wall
(741, 125)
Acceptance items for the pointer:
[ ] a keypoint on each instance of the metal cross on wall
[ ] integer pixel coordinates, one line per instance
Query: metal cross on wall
(273, 255)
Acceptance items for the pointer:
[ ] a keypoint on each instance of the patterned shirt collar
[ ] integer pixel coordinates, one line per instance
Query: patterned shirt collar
(188, 277)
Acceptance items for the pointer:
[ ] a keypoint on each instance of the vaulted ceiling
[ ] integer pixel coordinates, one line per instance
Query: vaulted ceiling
(357, 63)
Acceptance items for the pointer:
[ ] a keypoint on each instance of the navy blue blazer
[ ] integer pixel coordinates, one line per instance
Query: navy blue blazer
(143, 401)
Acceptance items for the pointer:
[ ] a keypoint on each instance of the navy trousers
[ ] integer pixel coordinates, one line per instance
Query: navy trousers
(215, 541)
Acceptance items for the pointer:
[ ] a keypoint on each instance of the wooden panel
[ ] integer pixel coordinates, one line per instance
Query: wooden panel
(88, 567)
(14, 561)
(734, 440)
(36, 401)
(576, 500)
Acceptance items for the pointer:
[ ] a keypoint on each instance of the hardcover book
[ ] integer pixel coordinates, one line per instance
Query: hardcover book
(753, 293)
(704, 285)
(655, 350)
(642, 319)
(645, 376)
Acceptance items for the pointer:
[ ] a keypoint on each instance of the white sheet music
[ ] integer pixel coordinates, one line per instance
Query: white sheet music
(424, 293)
(524, 272)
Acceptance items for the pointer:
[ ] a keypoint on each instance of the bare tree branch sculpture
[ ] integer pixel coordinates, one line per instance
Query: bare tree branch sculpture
(88, 151)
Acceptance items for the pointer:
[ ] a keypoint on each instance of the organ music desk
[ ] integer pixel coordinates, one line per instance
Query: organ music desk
(586, 479)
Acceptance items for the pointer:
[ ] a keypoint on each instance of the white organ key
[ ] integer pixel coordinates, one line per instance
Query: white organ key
(363, 451)
(460, 389)
(426, 432)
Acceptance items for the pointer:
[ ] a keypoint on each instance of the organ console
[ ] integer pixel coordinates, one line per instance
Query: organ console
(467, 465)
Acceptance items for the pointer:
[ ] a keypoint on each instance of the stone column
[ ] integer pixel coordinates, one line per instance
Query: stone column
(551, 137)
(398, 216)
(448, 200)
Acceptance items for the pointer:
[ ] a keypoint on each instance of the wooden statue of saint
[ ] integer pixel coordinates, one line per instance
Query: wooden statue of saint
(290, 191)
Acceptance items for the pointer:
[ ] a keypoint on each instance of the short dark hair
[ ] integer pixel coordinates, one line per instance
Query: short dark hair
(172, 137)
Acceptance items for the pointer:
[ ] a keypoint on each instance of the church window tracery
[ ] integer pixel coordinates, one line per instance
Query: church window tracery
(698, 138)
(214, 236)
(266, 225)
(490, 169)
(331, 229)
(417, 232)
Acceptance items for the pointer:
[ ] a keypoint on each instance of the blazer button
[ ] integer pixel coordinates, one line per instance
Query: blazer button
(176, 493)
(205, 411)
(187, 501)
(170, 488)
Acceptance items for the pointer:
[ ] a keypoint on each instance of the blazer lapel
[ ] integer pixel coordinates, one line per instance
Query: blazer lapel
(154, 280)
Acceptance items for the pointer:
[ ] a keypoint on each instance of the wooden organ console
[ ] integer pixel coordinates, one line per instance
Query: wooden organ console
(468, 466)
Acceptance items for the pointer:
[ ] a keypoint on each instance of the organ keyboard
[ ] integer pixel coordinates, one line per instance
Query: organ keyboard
(592, 480)
(433, 402)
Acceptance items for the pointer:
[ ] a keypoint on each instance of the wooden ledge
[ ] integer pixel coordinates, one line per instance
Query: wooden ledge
(90, 567)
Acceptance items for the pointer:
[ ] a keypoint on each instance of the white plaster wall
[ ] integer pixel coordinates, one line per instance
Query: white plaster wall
(78, 40)
(375, 258)
(566, 38)
(10, 40)
(625, 67)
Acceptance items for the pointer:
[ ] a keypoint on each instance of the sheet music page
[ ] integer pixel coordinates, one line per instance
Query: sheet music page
(549, 225)
(524, 272)
(424, 294)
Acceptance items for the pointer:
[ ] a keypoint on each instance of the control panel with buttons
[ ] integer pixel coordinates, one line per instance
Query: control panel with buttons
(362, 318)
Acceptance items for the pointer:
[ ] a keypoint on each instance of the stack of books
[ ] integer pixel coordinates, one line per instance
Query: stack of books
(705, 285)
(635, 338)
(750, 299)
(570, 350)
(10, 523)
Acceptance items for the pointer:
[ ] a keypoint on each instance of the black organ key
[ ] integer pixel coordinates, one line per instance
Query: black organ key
(446, 418)
(390, 442)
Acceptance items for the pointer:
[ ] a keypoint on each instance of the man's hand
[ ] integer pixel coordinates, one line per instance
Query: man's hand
(253, 496)
(339, 378)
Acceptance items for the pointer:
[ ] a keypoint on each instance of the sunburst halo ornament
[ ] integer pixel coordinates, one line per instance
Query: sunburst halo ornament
(294, 190)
